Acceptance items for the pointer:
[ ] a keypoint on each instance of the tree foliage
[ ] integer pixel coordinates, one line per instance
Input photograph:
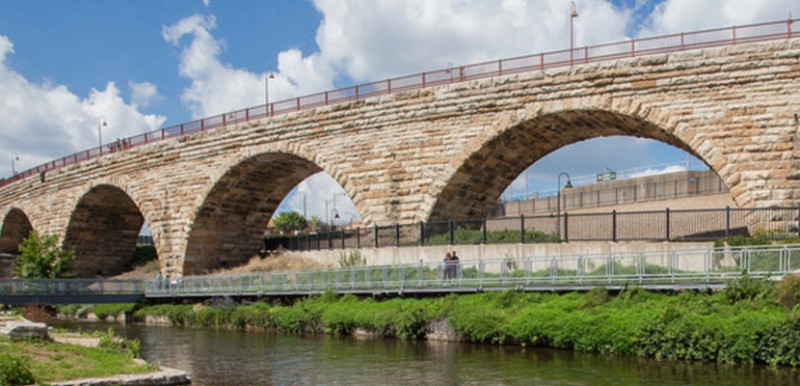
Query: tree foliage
(42, 257)
(287, 222)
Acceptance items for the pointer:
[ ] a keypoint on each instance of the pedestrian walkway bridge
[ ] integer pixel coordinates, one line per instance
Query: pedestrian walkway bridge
(674, 270)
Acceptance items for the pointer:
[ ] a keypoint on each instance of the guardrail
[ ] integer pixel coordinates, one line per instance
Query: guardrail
(661, 225)
(778, 30)
(98, 287)
(645, 268)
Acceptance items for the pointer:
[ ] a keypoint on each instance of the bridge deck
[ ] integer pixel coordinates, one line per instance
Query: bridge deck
(658, 270)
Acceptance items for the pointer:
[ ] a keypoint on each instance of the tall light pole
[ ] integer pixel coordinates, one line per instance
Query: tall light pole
(572, 15)
(336, 213)
(100, 133)
(558, 203)
(14, 157)
(267, 77)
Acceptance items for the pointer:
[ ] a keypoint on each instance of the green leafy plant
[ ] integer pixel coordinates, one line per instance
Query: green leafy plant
(42, 257)
(287, 222)
(787, 291)
(351, 258)
(15, 370)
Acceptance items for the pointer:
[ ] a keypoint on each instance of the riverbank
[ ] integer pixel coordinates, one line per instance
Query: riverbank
(746, 323)
(63, 358)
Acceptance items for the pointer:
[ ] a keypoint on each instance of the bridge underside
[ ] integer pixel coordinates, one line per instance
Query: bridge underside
(16, 227)
(103, 231)
(229, 227)
(478, 183)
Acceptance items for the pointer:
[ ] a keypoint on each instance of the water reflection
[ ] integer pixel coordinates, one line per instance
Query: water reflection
(222, 357)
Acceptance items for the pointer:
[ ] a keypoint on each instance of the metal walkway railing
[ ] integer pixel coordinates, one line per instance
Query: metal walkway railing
(706, 268)
(655, 269)
(69, 291)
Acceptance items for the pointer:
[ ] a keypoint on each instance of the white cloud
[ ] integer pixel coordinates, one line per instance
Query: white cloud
(371, 40)
(143, 94)
(219, 87)
(43, 120)
(656, 171)
(672, 16)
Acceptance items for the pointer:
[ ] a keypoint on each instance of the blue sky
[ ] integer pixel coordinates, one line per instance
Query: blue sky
(141, 65)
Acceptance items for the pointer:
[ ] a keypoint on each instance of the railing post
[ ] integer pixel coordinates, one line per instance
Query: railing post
(330, 239)
(450, 230)
(667, 224)
(484, 230)
(682, 41)
(358, 238)
(421, 234)
(734, 35)
(326, 98)
(376, 236)
(500, 67)
(356, 92)
(389, 86)
(522, 228)
(727, 221)
(614, 225)
(633, 48)
(423, 80)
(566, 227)
(343, 238)
(397, 234)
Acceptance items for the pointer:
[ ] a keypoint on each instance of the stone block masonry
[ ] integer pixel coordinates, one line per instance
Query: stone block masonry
(435, 153)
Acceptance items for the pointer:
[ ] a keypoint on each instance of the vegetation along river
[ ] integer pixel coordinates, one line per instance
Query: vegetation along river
(231, 357)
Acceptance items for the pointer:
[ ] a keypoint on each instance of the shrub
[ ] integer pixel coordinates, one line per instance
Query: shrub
(352, 258)
(15, 370)
(787, 292)
(747, 288)
(42, 257)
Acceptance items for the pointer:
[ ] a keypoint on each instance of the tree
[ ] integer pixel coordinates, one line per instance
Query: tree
(286, 222)
(42, 257)
(314, 222)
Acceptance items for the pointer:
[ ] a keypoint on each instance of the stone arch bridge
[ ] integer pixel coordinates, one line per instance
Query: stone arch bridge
(434, 152)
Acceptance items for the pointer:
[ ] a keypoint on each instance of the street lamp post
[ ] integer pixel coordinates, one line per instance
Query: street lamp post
(270, 75)
(14, 157)
(572, 15)
(100, 133)
(558, 201)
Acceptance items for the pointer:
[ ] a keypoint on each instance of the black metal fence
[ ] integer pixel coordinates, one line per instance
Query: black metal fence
(665, 225)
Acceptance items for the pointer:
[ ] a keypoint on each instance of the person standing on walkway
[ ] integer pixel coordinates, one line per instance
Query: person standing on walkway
(446, 270)
(453, 265)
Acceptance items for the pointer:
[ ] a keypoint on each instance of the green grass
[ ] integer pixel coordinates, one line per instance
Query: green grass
(50, 362)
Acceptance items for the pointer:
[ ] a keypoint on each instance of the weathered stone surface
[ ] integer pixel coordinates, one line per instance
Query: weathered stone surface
(419, 155)
(21, 330)
(164, 377)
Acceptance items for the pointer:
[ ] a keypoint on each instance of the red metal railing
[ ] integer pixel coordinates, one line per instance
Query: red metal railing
(777, 30)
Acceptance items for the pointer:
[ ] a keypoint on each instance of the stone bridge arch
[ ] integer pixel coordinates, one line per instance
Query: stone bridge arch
(228, 225)
(15, 227)
(488, 164)
(102, 231)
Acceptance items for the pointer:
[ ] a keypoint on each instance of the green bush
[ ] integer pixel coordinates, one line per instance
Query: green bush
(42, 257)
(787, 291)
(105, 310)
(15, 370)
(747, 288)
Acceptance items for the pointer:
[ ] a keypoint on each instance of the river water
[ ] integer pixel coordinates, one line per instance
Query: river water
(223, 357)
